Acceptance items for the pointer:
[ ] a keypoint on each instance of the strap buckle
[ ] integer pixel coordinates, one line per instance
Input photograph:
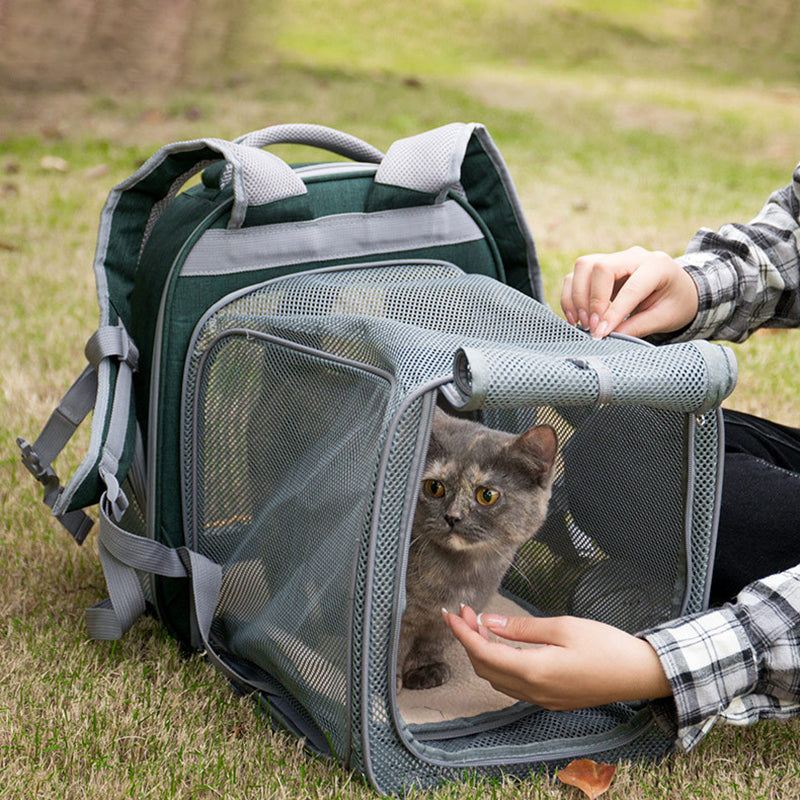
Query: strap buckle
(76, 522)
(43, 473)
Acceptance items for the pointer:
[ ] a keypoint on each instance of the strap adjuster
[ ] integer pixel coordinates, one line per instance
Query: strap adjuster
(43, 473)
(112, 341)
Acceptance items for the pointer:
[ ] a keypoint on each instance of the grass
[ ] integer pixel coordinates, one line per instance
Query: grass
(621, 122)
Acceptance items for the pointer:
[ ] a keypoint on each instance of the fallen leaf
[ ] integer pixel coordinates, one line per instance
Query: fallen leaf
(590, 777)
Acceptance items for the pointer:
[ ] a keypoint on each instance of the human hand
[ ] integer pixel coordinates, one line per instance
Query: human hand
(581, 663)
(635, 291)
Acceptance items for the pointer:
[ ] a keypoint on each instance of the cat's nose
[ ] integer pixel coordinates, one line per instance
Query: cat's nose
(452, 518)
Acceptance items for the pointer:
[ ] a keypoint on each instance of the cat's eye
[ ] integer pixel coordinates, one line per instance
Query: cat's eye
(486, 496)
(433, 488)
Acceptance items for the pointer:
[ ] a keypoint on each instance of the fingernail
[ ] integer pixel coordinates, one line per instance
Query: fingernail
(570, 317)
(584, 318)
(492, 620)
(462, 606)
(593, 320)
(444, 611)
(601, 330)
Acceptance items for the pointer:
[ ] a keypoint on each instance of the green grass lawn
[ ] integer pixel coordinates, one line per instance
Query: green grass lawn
(622, 123)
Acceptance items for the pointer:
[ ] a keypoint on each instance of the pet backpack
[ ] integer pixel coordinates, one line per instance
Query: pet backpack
(272, 344)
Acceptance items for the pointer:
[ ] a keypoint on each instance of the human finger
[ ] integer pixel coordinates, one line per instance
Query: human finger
(580, 286)
(533, 630)
(567, 304)
(634, 295)
(468, 633)
(596, 279)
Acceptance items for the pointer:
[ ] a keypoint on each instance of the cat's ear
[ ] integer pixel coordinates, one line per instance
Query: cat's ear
(440, 423)
(540, 442)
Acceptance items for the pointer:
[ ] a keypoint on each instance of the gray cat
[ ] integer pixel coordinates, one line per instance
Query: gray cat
(484, 492)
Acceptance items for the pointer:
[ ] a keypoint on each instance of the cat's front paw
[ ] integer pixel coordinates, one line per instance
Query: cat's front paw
(427, 676)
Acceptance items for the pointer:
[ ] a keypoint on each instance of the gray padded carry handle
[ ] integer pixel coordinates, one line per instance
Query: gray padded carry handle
(325, 138)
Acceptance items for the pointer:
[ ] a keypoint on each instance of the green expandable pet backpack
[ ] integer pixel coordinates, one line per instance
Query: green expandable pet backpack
(272, 344)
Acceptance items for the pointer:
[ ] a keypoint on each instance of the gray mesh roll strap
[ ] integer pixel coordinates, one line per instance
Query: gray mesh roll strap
(515, 376)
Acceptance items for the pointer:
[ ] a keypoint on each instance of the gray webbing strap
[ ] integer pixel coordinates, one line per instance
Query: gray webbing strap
(58, 430)
(108, 341)
(605, 376)
(122, 554)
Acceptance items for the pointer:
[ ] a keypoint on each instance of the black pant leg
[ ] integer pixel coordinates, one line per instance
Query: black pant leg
(759, 530)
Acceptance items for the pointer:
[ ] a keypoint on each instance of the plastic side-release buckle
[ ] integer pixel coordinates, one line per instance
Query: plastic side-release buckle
(76, 522)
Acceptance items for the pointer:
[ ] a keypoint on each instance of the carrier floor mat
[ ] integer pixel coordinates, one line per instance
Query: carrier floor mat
(465, 694)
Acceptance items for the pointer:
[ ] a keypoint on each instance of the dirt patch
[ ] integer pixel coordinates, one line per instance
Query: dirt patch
(113, 44)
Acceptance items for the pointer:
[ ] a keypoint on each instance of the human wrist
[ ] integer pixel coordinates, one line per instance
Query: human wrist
(653, 683)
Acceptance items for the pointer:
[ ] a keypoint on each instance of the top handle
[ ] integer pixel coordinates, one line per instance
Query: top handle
(320, 136)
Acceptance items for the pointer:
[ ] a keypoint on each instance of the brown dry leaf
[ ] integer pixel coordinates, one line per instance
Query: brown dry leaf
(590, 777)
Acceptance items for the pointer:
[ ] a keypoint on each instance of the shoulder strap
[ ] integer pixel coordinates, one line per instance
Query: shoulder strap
(462, 159)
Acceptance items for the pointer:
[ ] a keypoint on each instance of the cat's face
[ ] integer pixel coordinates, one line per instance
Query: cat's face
(483, 489)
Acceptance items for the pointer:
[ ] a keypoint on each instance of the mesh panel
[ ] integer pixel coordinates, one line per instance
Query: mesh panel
(292, 388)
(283, 489)
(618, 490)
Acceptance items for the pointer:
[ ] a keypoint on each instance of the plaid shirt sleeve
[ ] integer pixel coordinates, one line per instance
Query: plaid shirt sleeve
(740, 663)
(748, 276)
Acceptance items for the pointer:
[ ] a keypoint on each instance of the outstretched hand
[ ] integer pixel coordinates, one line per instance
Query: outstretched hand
(636, 291)
(581, 663)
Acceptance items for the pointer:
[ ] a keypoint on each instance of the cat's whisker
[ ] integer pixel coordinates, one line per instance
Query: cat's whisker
(512, 565)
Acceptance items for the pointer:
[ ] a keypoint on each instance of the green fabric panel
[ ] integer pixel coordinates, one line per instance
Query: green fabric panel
(487, 196)
(383, 196)
(129, 221)
(176, 225)
(293, 209)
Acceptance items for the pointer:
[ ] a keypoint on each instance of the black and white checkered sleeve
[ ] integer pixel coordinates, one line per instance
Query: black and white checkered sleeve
(748, 276)
(740, 663)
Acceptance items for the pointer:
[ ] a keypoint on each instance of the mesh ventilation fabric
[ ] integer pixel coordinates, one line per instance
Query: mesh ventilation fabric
(429, 162)
(301, 436)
